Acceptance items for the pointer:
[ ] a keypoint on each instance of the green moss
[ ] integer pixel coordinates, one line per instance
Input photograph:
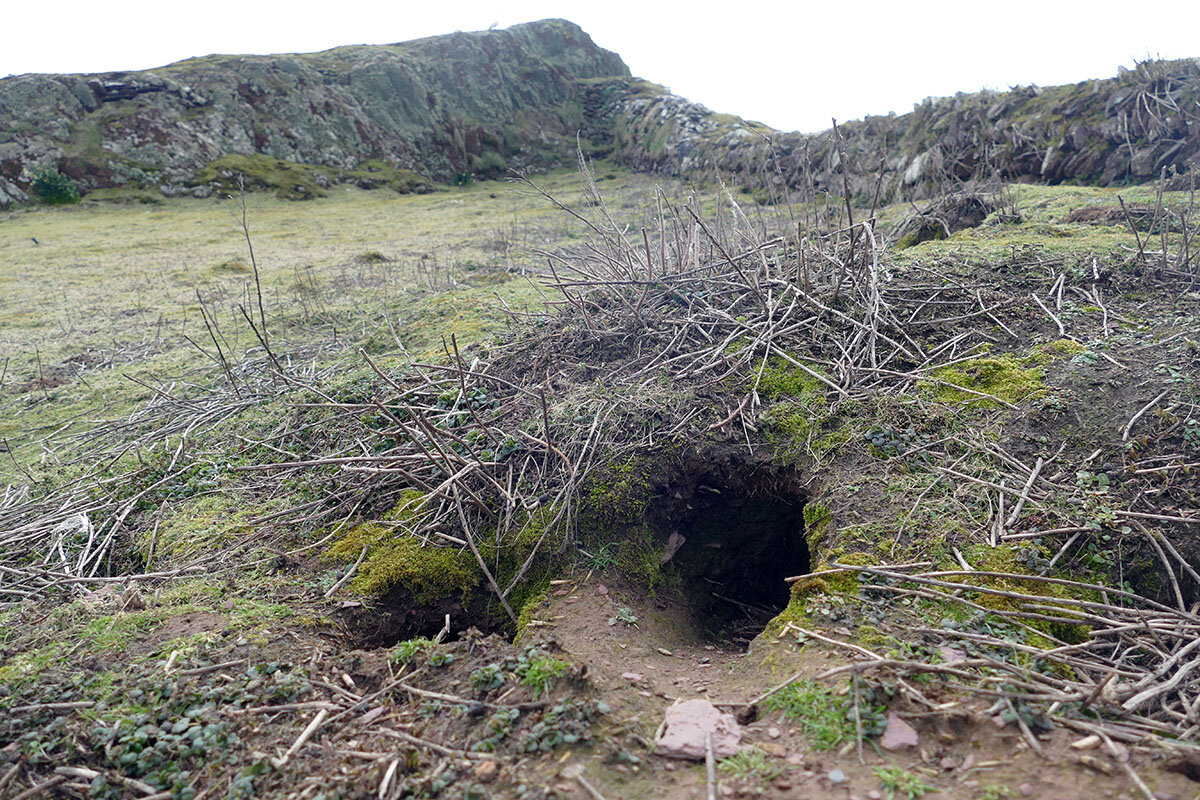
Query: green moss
(532, 532)
(379, 174)
(547, 563)
(819, 590)
(781, 378)
(640, 559)
(796, 611)
(201, 523)
(396, 558)
(796, 424)
(818, 520)
(1002, 376)
(292, 180)
(529, 609)
(430, 573)
(797, 430)
(1049, 352)
(289, 180)
(1007, 559)
(617, 497)
(613, 513)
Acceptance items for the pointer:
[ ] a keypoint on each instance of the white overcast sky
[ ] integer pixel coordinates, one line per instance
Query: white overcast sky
(790, 65)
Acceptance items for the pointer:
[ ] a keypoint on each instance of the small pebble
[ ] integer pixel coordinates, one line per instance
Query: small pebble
(1026, 789)
(836, 777)
(875, 794)
(947, 763)
(486, 771)
(773, 732)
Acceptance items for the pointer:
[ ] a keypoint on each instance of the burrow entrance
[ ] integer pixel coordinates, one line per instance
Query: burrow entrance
(727, 532)
(733, 531)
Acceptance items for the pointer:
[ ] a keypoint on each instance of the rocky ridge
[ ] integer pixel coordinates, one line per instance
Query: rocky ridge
(448, 107)
(1126, 129)
(439, 107)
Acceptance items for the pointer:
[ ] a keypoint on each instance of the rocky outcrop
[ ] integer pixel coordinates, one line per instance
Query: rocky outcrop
(1125, 129)
(477, 103)
(461, 103)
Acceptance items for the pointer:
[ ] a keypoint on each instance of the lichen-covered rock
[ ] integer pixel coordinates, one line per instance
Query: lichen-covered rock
(436, 107)
(1102, 131)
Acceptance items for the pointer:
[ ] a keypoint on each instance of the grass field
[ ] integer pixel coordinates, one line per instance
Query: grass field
(103, 299)
(110, 293)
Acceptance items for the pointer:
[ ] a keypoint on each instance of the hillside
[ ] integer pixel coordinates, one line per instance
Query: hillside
(410, 115)
(1119, 130)
(430, 109)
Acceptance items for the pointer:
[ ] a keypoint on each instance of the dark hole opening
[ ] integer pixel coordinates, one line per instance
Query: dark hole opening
(397, 617)
(734, 532)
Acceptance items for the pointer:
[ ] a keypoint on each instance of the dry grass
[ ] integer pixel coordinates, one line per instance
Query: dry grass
(110, 290)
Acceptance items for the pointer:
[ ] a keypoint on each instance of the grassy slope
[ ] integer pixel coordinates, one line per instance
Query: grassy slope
(119, 283)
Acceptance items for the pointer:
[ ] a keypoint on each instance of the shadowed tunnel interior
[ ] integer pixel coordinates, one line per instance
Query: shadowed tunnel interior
(734, 532)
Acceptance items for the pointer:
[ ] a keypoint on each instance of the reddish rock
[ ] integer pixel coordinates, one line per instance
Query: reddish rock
(486, 771)
(899, 734)
(685, 728)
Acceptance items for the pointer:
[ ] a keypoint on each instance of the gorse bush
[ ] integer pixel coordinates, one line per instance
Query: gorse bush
(53, 188)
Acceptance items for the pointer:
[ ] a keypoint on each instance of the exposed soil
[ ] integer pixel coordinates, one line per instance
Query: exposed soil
(641, 669)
